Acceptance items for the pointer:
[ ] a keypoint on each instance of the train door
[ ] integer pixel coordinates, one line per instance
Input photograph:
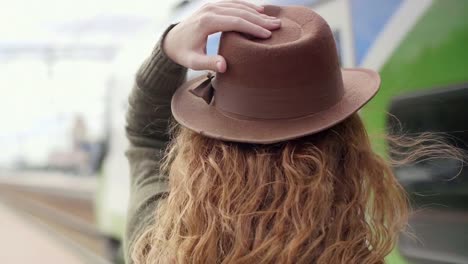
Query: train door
(438, 188)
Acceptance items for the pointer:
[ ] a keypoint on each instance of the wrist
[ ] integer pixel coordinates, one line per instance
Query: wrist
(166, 45)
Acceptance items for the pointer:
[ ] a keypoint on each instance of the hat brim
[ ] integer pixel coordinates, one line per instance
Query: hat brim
(360, 85)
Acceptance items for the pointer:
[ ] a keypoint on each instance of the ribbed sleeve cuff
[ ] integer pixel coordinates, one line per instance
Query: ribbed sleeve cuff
(158, 67)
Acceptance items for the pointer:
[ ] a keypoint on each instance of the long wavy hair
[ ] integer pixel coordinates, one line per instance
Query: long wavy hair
(324, 198)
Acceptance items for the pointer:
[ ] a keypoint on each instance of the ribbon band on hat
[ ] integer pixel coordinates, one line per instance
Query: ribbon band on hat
(205, 90)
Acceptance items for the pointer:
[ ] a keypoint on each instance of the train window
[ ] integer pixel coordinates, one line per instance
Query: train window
(212, 44)
(440, 200)
(442, 111)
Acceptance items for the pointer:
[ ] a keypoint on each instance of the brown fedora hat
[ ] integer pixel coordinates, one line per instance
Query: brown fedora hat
(275, 89)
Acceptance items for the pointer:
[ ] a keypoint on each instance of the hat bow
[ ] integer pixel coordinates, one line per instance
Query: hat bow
(205, 90)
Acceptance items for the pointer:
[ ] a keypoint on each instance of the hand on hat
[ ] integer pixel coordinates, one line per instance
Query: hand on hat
(185, 44)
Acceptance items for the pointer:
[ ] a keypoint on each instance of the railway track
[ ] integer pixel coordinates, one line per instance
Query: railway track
(64, 214)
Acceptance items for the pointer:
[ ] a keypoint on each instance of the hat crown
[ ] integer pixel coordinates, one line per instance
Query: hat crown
(294, 73)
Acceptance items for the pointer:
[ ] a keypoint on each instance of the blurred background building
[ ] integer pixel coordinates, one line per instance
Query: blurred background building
(55, 61)
(66, 68)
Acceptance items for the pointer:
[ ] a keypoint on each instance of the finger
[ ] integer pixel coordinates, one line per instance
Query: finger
(268, 17)
(200, 62)
(238, 6)
(245, 3)
(253, 18)
(217, 23)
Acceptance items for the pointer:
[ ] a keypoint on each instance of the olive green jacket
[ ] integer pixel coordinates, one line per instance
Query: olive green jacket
(147, 128)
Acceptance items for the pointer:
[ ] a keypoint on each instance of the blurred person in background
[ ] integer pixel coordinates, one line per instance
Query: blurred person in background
(270, 185)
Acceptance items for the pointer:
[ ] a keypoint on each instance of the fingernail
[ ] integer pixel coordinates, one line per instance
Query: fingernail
(266, 33)
(218, 66)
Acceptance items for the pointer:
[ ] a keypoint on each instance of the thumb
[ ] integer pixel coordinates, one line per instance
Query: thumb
(215, 63)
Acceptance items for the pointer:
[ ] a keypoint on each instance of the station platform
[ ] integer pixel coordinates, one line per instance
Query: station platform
(49, 216)
(23, 241)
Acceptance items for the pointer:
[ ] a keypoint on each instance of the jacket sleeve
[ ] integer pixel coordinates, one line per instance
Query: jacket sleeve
(147, 128)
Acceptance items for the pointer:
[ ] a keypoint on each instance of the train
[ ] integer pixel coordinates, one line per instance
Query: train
(420, 49)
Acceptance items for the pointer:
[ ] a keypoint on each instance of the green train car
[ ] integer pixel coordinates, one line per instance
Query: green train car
(420, 48)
